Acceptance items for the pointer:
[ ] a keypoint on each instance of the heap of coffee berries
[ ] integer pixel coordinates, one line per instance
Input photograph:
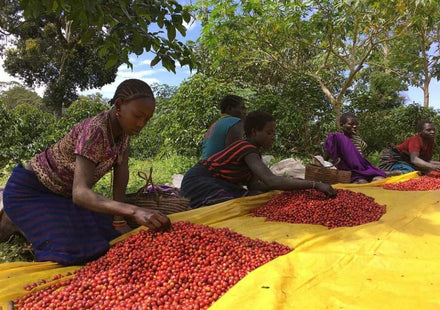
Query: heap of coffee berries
(313, 207)
(427, 182)
(188, 267)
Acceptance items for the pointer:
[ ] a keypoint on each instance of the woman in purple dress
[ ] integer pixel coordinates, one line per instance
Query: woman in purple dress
(51, 199)
(346, 148)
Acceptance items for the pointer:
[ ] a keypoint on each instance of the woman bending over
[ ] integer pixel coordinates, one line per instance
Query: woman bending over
(224, 174)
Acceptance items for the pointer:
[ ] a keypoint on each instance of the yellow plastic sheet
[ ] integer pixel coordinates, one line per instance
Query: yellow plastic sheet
(389, 264)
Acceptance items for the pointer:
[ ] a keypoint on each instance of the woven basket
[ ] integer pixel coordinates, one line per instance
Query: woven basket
(330, 175)
(155, 199)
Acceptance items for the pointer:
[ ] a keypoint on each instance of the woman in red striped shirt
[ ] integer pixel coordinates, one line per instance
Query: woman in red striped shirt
(223, 175)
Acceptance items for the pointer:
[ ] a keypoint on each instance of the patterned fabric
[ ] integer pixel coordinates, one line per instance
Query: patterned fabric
(360, 144)
(229, 163)
(55, 166)
(203, 189)
(398, 158)
(390, 157)
(59, 230)
(215, 136)
(219, 178)
(339, 147)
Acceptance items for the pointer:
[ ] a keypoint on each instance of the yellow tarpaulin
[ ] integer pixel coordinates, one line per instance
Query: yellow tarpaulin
(389, 264)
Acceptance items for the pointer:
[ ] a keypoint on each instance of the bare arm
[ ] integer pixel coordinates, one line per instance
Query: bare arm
(120, 178)
(83, 196)
(262, 172)
(120, 181)
(420, 163)
(235, 133)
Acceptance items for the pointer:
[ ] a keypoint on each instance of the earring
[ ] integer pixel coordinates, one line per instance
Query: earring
(117, 114)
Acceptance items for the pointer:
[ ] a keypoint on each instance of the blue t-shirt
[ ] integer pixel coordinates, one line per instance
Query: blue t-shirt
(215, 137)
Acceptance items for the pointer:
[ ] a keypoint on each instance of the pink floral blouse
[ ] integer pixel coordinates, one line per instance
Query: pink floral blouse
(55, 166)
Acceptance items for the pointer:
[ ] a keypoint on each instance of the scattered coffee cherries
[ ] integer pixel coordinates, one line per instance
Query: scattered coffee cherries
(313, 207)
(427, 182)
(188, 267)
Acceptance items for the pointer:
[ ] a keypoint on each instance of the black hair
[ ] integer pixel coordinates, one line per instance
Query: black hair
(345, 116)
(421, 124)
(230, 101)
(256, 120)
(132, 89)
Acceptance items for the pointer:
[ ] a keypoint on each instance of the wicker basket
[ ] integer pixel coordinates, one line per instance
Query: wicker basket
(155, 199)
(330, 175)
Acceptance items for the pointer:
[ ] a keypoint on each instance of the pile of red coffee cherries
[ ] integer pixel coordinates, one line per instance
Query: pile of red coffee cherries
(313, 207)
(188, 267)
(427, 182)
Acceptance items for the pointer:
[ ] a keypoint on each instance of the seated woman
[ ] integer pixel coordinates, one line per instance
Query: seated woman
(415, 153)
(221, 177)
(228, 128)
(346, 151)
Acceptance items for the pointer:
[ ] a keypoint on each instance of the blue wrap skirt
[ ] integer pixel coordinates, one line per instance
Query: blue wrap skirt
(58, 229)
(199, 185)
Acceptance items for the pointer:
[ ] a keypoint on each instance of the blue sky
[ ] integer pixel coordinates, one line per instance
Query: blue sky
(158, 74)
(142, 69)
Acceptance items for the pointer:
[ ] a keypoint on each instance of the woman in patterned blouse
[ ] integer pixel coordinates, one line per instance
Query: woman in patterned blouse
(51, 198)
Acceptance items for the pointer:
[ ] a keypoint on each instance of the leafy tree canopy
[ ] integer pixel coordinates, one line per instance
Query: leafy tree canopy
(127, 25)
(71, 45)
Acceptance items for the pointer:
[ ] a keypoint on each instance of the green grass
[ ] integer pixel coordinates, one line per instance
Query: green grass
(17, 249)
(163, 171)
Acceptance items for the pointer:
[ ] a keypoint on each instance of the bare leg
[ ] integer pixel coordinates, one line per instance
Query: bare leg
(360, 181)
(393, 173)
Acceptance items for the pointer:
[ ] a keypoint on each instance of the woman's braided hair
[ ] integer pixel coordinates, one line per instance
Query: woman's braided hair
(132, 89)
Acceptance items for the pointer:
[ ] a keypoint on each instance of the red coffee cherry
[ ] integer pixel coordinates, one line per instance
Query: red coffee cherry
(313, 207)
(188, 267)
(427, 182)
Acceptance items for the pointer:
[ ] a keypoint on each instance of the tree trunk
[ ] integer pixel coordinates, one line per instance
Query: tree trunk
(426, 90)
(334, 101)
(426, 94)
(337, 110)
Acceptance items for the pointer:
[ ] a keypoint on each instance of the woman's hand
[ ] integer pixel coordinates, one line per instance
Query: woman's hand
(152, 219)
(327, 189)
(124, 229)
(435, 166)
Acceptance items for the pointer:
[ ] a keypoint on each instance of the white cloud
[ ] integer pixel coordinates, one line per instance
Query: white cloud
(146, 62)
(192, 24)
(136, 74)
(4, 76)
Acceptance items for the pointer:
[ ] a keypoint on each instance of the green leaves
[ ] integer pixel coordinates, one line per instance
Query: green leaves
(122, 24)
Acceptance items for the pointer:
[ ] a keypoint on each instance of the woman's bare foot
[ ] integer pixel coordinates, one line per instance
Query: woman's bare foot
(360, 181)
(393, 173)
